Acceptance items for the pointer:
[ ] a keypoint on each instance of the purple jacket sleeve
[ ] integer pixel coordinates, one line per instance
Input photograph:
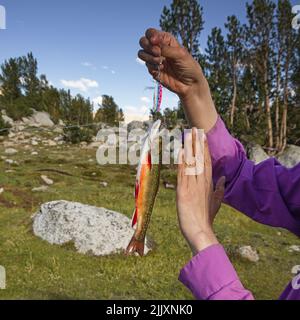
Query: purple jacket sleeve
(268, 192)
(211, 276)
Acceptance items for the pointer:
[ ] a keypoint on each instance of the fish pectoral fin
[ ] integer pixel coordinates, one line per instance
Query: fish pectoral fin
(134, 218)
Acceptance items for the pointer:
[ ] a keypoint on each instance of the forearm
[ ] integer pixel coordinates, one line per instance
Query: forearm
(202, 240)
(199, 107)
(211, 276)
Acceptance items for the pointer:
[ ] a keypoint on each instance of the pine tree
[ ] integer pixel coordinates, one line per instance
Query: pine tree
(30, 81)
(108, 112)
(234, 55)
(260, 38)
(217, 70)
(184, 19)
(286, 49)
(10, 81)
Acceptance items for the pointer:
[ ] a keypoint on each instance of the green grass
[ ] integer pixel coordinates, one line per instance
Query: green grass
(38, 270)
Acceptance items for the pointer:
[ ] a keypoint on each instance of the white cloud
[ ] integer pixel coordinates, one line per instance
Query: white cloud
(136, 113)
(145, 99)
(87, 64)
(140, 61)
(105, 67)
(113, 71)
(82, 84)
(97, 101)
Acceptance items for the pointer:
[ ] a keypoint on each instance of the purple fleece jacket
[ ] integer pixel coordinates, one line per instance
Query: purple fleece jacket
(267, 193)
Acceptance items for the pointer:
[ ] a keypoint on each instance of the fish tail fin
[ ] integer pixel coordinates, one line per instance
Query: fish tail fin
(135, 246)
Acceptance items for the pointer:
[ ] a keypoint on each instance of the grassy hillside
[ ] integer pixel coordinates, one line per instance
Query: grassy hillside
(38, 270)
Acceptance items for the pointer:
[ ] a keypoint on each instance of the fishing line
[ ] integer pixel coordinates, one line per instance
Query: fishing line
(158, 93)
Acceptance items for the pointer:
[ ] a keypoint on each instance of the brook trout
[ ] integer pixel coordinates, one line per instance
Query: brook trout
(146, 188)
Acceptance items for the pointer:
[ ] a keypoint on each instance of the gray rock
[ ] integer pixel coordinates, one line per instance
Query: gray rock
(7, 119)
(34, 142)
(10, 151)
(135, 125)
(1, 190)
(39, 119)
(10, 161)
(40, 189)
(169, 186)
(257, 154)
(296, 270)
(61, 123)
(93, 230)
(290, 157)
(103, 184)
(248, 253)
(294, 248)
(46, 180)
(51, 143)
(2, 278)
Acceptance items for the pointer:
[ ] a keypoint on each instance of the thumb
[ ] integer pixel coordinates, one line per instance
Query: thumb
(220, 189)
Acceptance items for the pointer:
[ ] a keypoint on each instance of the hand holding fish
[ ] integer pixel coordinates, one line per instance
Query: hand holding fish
(197, 202)
(171, 64)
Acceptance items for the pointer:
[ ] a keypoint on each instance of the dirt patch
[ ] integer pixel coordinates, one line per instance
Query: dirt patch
(5, 203)
(23, 198)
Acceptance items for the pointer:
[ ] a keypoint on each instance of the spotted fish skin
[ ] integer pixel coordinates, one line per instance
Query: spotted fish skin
(146, 189)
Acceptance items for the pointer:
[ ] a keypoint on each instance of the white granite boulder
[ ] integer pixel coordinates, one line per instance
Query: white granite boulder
(39, 119)
(290, 157)
(257, 154)
(93, 230)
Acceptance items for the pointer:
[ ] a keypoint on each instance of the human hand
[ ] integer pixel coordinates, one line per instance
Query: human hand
(197, 202)
(179, 72)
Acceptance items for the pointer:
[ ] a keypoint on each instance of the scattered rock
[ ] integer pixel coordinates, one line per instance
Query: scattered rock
(40, 189)
(257, 154)
(39, 119)
(11, 135)
(10, 151)
(34, 142)
(51, 143)
(46, 180)
(34, 153)
(83, 144)
(93, 230)
(94, 145)
(294, 248)
(248, 253)
(169, 186)
(7, 119)
(135, 125)
(290, 157)
(296, 270)
(9, 161)
(1, 190)
(104, 184)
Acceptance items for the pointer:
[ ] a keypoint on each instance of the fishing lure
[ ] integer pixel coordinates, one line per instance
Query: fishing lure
(157, 98)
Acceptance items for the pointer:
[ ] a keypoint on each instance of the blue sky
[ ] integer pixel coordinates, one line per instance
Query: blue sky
(92, 45)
